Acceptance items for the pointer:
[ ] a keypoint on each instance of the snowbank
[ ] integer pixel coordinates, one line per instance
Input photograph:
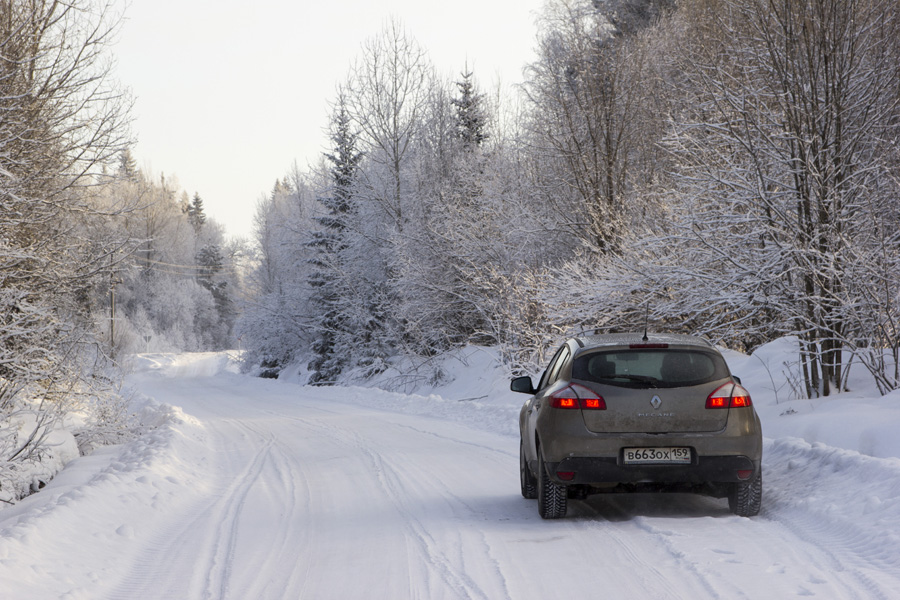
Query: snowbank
(860, 420)
(58, 450)
(61, 445)
(194, 364)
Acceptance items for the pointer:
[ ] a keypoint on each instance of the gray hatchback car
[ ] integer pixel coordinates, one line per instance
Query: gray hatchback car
(628, 413)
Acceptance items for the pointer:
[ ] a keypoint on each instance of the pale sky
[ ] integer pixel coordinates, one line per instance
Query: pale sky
(228, 95)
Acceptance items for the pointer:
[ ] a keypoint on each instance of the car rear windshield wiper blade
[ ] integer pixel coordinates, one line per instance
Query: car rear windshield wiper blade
(652, 381)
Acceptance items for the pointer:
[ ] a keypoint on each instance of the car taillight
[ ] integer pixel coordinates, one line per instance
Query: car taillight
(563, 402)
(730, 395)
(577, 396)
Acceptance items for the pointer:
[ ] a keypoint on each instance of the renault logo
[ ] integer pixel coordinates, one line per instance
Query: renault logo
(655, 401)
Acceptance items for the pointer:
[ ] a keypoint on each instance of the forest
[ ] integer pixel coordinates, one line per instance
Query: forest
(727, 168)
(719, 167)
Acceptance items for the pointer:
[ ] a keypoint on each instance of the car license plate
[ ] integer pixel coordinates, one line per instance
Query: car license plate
(657, 456)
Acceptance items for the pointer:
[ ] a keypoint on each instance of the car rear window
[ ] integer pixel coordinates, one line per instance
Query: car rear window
(650, 368)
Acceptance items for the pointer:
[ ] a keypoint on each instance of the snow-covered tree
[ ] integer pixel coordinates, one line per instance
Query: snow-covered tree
(386, 95)
(331, 240)
(588, 119)
(471, 118)
(195, 213)
(783, 186)
(277, 324)
(175, 285)
(63, 122)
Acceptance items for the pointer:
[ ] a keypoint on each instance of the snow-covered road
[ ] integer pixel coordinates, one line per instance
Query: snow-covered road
(258, 489)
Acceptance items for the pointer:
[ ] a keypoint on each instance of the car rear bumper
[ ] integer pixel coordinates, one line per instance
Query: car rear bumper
(703, 469)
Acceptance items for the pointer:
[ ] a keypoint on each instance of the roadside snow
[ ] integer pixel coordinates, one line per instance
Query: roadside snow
(860, 419)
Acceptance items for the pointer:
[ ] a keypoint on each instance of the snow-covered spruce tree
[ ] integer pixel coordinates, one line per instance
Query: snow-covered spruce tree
(62, 120)
(195, 212)
(471, 113)
(783, 183)
(330, 241)
(216, 272)
(211, 268)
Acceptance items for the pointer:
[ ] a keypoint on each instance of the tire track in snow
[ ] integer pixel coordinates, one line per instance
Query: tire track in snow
(397, 487)
(632, 552)
(397, 484)
(801, 544)
(278, 473)
(459, 500)
(228, 511)
(857, 541)
(204, 534)
(832, 552)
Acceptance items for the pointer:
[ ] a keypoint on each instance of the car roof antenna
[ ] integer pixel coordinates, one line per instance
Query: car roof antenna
(646, 321)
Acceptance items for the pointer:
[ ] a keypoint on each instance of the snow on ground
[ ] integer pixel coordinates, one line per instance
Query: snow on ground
(251, 488)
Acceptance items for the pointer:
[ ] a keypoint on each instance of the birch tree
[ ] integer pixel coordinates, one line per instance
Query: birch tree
(386, 94)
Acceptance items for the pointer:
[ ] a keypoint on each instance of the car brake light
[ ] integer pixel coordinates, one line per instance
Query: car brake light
(564, 402)
(577, 396)
(730, 395)
(592, 403)
(633, 346)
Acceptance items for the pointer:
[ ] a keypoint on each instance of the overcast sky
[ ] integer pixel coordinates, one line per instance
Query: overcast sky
(229, 94)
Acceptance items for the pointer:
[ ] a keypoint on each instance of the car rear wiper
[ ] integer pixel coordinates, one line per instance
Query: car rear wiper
(651, 381)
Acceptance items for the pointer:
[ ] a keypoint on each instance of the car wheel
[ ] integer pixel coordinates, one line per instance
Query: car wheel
(551, 496)
(526, 477)
(745, 498)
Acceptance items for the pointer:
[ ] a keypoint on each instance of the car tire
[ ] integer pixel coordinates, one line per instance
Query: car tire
(526, 477)
(745, 498)
(551, 495)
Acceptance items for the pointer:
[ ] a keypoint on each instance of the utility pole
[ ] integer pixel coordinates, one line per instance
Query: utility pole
(112, 316)
(113, 280)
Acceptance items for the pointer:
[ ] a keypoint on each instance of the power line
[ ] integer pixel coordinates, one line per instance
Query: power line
(177, 266)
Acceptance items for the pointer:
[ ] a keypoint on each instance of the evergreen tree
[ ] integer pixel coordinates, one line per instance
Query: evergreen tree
(195, 213)
(127, 166)
(470, 113)
(331, 242)
(211, 265)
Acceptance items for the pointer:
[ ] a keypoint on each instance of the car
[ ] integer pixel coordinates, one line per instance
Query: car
(638, 413)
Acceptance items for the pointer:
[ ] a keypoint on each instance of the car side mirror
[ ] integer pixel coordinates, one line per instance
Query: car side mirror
(738, 379)
(523, 385)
